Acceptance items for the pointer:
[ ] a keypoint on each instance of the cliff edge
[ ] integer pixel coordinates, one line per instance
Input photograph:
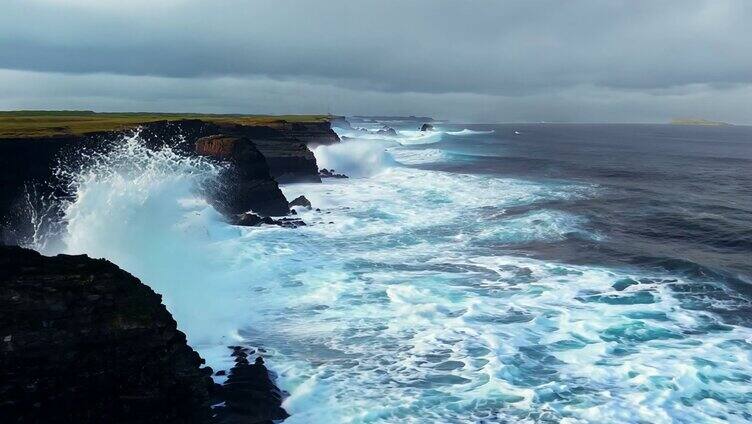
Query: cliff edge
(85, 342)
(31, 147)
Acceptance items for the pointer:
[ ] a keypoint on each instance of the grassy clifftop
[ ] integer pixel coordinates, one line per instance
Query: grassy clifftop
(27, 123)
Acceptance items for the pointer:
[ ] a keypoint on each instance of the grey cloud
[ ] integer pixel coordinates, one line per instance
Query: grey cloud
(584, 103)
(481, 48)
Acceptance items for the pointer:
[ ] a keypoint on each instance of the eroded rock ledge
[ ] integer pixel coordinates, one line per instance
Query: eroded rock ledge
(85, 342)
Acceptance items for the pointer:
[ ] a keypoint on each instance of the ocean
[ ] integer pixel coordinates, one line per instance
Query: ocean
(537, 273)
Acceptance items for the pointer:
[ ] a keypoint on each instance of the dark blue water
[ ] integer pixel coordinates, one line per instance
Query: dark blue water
(527, 273)
(672, 197)
(539, 273)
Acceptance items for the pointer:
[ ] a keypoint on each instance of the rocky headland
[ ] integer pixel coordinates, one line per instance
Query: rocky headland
(84, 341)
(259, 155)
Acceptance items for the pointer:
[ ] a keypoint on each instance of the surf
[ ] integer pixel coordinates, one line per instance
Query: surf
(397, 303)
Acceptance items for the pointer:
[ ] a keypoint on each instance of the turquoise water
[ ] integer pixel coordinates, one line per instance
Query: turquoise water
(409, 297)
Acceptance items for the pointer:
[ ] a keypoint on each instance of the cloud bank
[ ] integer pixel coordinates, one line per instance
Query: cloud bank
(469, 60)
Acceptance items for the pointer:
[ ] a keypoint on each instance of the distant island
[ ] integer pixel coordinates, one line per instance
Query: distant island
(696, 121)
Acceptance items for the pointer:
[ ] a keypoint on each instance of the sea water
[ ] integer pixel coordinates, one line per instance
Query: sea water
(471, 274)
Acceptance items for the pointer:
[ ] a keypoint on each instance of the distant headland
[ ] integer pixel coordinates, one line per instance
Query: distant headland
(697, 121)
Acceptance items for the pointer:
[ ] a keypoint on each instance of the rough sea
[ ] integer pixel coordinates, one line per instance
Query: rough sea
(534, 273)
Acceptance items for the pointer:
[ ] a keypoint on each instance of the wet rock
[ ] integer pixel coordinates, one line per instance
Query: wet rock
(388, 131)
(249, 395)
(426, 127)
(250, 219)
(330, 173)
(111, 353)
(301, 201)
(291, 222)
(246, 183)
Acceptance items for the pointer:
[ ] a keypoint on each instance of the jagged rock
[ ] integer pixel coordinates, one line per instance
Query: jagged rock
(89, 343)
(289, 158)
(291, 222)
(426, 127)
(388, 131)
(285, 145)
(250, 219)
(249, 394)
(246, 184)
(301, 201)
(329, 173)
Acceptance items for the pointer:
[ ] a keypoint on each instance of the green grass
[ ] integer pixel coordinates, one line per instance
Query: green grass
(34, 123)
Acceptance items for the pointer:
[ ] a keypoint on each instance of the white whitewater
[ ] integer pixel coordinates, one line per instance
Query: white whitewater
(392, 307)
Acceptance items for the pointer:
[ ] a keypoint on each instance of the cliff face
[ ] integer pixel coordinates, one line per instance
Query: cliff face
(83, 341)
(282, 147)
(246, 184)
(308, 132)
(287, 154)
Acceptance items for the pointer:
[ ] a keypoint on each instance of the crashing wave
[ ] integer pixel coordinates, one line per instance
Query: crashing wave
(469, 132)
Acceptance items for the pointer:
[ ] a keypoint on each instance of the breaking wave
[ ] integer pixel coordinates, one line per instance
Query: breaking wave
(392, 306)
(469, 132)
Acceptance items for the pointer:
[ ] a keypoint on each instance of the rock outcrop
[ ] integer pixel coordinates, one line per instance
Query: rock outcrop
(246, 184)
(249, 395)
(289, 158)
(301, 201)
(331, 173)
(85, 342)
(250, 219)
(426, 127)
(82, 341)
(30, 162)
(388, 131)
(312, 133)
(289, 161)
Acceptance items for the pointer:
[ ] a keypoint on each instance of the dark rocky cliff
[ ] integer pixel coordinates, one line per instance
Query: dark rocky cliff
(308, 132)
(286, 151)
(84, 342)
(27, 162)
(246, 184)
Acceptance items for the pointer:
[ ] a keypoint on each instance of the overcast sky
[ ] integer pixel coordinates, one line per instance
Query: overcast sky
(465, 60)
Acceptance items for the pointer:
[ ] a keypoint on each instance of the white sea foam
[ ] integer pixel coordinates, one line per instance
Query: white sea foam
(469, 132)
(359, 158)
(540, 225)
(420, 137)
(390, 306)
(416, 157)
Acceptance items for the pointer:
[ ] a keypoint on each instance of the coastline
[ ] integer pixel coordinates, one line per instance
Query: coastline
(253, 154)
